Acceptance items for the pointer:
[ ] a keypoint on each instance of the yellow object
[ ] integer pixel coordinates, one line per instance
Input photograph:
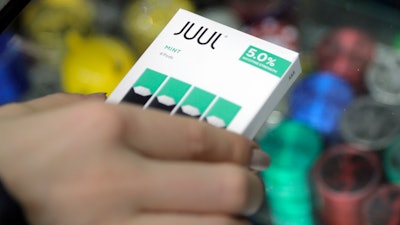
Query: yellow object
(144, 19)
(47, 21)
(95, 64)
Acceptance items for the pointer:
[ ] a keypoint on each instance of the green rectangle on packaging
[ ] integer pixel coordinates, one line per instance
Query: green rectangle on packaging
(151, 80)
(265, 60)
(224, 110)
(198, 98)
(175, 89)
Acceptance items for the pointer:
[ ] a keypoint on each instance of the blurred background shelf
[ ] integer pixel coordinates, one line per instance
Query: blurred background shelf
(346, 101)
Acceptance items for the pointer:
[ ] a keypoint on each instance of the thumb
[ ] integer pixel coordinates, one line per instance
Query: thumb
(61, 99)
(51, 101)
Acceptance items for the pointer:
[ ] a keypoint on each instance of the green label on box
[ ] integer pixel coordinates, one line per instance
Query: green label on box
(222, 113)
(265, 61)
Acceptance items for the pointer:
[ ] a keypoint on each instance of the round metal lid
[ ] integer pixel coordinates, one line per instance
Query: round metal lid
(369, 123)
(383, 76)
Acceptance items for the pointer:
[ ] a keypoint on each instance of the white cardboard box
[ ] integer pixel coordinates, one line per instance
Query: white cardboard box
(200, 68)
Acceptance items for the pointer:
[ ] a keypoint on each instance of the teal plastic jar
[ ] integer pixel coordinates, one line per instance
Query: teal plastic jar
(293, 148)
(392, 162)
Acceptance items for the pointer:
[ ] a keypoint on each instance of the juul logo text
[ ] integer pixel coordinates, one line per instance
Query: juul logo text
(200, 35)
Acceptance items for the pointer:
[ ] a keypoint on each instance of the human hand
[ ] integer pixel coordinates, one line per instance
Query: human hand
(71, 159)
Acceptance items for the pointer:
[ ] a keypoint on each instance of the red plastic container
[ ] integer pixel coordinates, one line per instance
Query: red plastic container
(348, 52)
(344, 176)
(383, 207)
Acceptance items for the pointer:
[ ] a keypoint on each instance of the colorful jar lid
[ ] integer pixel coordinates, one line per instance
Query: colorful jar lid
(293, 148)
(223, 15)
(343, 177)
(291, 145)
(285, 219)
(391, 158)
(396, 41)
(383, 207)
(13, 73)
(346, 51)
(95, 64)
(383, 76)
(319, 100)
(347, 171)
(369, 123)
(275, 31)
(144, 19)
(48, 21)
(287, 177)
(251, 11)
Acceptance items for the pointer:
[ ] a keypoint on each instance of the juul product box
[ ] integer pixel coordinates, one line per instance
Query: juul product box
(202, 69)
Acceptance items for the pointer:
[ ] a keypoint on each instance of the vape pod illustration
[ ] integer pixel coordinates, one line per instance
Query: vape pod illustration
(222, 113)
(170, 95)
(157, 90)
(145, 87)
(196, 103)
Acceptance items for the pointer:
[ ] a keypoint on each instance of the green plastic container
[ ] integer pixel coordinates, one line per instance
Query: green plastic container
(293, 148)
(392, 162)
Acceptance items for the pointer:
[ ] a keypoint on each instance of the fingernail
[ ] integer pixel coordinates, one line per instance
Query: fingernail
(256, 195)
(259, 160)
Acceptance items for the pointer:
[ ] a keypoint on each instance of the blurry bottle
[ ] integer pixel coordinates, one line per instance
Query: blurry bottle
(347, 52)
(396, 41)
(223, 15)
(383, 207)
(95, 64)
(391, 159)
(369, 124)
(271, 20)
(344, 177)
(13, 70)
(383, 76)
(293, 148)
(275, 31)
(144, 19)
(46, 22)
(253, 11)
(108, 16)
(319, 100)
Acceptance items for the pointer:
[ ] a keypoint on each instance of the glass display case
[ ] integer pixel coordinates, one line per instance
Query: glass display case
(334, 139)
